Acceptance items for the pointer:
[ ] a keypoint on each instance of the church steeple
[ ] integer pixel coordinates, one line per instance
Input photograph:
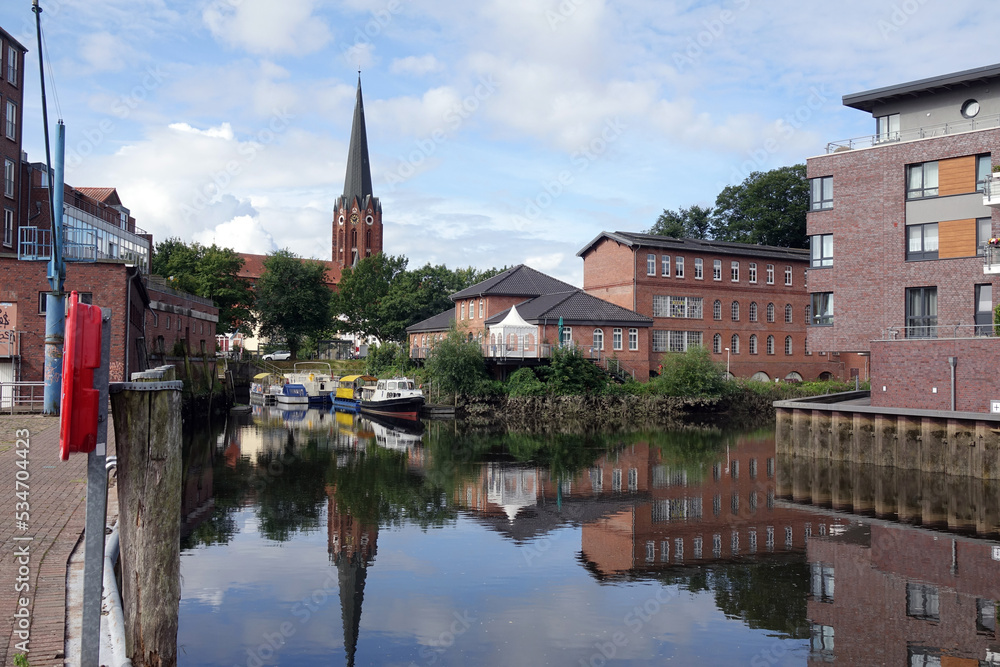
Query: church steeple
(357, 215)
(358, 182)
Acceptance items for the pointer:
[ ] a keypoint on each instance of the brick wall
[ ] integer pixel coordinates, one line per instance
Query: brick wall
(10, 148)
(173, 317)
(910, 370)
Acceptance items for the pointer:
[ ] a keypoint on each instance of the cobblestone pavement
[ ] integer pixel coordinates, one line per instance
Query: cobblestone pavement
(56, 513)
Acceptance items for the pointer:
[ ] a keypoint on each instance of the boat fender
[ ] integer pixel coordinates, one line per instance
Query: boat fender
(311, 377)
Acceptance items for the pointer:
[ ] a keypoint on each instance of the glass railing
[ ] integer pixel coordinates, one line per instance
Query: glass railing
(925, 132)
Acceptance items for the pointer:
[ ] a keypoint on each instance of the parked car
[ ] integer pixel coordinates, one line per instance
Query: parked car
(278, 355)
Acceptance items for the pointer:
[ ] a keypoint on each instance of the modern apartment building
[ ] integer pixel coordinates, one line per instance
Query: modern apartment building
(747, 304)
(900, 267)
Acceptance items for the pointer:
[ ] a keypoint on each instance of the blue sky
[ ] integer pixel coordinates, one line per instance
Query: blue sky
(501, 131)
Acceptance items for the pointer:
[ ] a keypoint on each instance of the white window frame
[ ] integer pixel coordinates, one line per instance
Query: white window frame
(717, 343)
(770, 312)
(734, 272)
(770, 344)
(788, 345)
(482, 304)
(788, 275)
(788, 313)
(735, 311)
(616, 338)
(665, 266)
(734, 344)
(679, 267)
(753, 311)
(12, 65)
(699, 269)
(8, 227)
(770, 274)
(598, 339)
(753, 272)
(753, 344)
(8, 178)
(716, 269)
(567, 337)
(633, 339)
(717, 310)
(463, 310)
(650, 264)
(10, 121)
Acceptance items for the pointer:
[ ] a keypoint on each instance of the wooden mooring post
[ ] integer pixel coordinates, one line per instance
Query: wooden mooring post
(147, 419)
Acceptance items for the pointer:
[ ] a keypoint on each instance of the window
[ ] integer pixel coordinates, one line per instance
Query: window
(660, 339)
(633, 339)
(463, 310)
(8, 227)
(717, 343)
(680, 341)
(735, 271)
(922, 180)
(665, 266)
(984, 309)
(753, 344)
(788, 313)
(168, 323)
(12, 57)
(922, 242)
(922, 602)
(598, 339)
(650, 264)
(717, 269)
(717, 310)
(565, 341)
(616, 339)
(822, 309)
(821, 246)
(735, 311)
(788, 345)
(770, 344)
(734, 344)
(11, 124)
(482, 304)
(753, 311)
(821, 193)
(770, 312)
(689, 307)
(986, 616)
(753, 272)
(984, 230)
(921, 312)
(8, 178)
(821, 643)
(698, 269)
(679, 267)
(984, 169)
(788, 275)
(887, 128)
(770, 274)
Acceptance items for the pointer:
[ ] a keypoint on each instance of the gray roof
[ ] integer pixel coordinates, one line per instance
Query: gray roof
(439, 322)
(576, 307)
(520, 280)
(866, 100)
(706, 246)
(358, 182)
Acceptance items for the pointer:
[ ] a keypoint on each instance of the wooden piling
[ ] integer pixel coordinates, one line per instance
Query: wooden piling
(148, 438)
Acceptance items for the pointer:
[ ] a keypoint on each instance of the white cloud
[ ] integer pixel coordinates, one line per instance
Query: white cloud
(416, 65)
(243, 234)
(105, 52)
(266, 27)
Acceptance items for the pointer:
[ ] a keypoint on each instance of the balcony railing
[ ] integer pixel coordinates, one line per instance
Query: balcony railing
(991, 260)
(926, 132)
(927, 330)
(79, 245)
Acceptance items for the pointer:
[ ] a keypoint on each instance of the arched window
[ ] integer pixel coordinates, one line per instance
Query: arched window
(481, 304)
(368, 239)
(753, 344)
(598, 339)
(788, 313)
(470, 336)
(788, 344)
(340, 242)
(734, 344)
(753, 311)
(717, 343)
(770, 312)
(736, 311)
(770, 344)
(717, 310)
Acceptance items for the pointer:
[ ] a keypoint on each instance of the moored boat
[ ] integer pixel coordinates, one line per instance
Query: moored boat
(316, 377)
(347, 397)
(265, 388)
(293, 394)
(396, 397)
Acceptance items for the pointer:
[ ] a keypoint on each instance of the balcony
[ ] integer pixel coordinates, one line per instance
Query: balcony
(914, 134)
(991, 191)
(991, 260)
(79, 245)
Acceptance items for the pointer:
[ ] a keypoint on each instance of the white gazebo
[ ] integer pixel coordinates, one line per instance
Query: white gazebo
(513, 337)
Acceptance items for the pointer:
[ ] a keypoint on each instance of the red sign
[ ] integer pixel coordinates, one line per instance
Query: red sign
(80, 401)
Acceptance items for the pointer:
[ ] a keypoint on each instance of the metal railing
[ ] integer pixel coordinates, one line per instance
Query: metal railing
(79, 245)
(925, 132)
(21, 397)
(931, 331)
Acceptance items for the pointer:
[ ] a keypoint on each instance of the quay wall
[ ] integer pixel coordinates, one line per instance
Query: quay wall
(953, 443)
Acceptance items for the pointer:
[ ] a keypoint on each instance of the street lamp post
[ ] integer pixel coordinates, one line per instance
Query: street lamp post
(728, 374)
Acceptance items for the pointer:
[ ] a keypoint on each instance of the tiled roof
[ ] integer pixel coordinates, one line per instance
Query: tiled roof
(439, 322)
(698, 245)
(520, 280)
(104, 195)
(576, 307)
(253, 268)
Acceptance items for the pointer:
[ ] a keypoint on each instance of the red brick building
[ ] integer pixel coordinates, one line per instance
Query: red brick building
(11, 108)
(746, 304)
(899, 233)
(177, 317)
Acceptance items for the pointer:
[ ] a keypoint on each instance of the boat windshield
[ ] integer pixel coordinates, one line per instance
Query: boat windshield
(391, 385)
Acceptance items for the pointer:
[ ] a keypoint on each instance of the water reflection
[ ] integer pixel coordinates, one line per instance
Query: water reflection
(450, 547)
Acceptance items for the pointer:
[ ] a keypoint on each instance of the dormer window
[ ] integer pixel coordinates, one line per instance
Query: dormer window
(887, 128)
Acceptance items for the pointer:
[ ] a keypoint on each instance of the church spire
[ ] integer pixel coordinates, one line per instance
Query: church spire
(358, 182)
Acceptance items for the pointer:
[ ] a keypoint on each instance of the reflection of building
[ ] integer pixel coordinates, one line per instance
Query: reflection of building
(888, 594)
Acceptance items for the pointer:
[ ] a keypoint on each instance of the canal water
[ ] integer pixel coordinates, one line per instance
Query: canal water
(311, 538)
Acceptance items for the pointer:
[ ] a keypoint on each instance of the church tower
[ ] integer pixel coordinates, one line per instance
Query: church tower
(357, 215)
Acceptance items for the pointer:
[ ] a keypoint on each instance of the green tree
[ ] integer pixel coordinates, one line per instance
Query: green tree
(456, 365)
(691, 373)
(293, 300)
(768, 208)
(569, 373)
(361, 295)
(212, 273)
(692, 223)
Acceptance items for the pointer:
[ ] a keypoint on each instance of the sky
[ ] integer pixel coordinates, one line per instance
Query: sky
(501, 132)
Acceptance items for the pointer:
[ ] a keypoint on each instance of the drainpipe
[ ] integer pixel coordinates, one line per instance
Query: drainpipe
(635, 276)
(952, 361)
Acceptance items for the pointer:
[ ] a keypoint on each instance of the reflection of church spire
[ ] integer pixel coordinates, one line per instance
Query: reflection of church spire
(352, 547)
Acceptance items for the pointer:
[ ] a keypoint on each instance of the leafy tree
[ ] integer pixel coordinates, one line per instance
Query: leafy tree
(693, 223)
(212, 273)
(456, 365)
(524, 382)
(768, 208)
(387, 358)
(361, 293)
(570, 373)
(691, 373)
(293, 300)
